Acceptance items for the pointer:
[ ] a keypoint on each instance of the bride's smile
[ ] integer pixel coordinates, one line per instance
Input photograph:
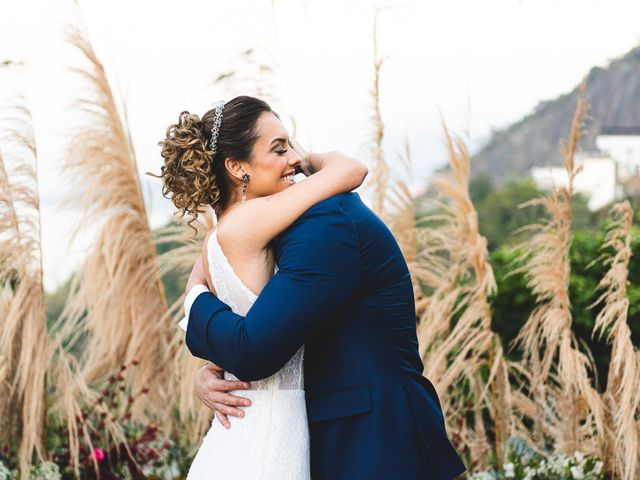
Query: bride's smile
(288, 178)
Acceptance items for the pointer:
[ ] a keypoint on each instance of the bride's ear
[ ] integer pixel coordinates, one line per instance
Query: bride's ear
(235, 168)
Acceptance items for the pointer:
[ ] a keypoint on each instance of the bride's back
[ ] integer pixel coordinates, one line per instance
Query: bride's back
(233, 291)
(254, 267)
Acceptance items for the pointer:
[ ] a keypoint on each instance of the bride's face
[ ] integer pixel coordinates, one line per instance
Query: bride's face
(273, 163)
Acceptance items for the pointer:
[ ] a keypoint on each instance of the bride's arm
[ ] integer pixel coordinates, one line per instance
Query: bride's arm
(261, 219)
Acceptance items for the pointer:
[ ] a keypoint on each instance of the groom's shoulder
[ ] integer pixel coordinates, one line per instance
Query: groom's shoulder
(328, 208)
(330, 213)
(326, 227)
(324, 223)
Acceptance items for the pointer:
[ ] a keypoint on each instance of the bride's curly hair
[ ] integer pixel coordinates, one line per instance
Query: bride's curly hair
(191, 174)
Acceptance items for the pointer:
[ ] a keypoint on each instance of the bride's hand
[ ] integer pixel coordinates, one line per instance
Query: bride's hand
(305, 164)
(211, 388)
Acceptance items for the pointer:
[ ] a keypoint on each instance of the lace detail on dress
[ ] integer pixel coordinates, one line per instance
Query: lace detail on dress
(232, 291)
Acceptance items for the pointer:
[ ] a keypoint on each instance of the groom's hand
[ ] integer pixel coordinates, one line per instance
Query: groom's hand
(212, 388)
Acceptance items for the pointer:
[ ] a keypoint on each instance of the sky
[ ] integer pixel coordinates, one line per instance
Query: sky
(480, 64)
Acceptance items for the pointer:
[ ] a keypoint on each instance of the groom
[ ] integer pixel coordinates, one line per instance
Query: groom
(343, 289)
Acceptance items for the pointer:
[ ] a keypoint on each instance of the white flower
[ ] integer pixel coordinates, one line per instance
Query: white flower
(46, 471)
(597, 468)
(529, 473)
(509, 470)
(558, 463)
(5, 473)
(482, 476)
(579, 456)
(577, 473)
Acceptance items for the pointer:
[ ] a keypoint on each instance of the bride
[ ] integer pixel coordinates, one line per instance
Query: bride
(239, 160)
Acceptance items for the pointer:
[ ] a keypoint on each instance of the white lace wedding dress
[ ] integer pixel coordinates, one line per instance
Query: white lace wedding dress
(272, 440)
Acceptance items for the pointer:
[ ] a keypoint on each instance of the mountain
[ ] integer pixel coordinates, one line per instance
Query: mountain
(613, 101)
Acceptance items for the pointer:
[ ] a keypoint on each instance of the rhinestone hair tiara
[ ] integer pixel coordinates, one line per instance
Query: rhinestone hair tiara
(219, 106)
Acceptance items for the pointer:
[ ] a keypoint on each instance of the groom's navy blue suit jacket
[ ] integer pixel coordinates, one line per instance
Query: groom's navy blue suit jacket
(343, 289)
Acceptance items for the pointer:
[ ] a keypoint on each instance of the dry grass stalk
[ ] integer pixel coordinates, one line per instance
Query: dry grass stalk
(69, 394)
(3, 368)
(620, 444)
(504, 423)
(457, 260)
(251, 72)
(576, 406)
(455, 356)
(116, 300)
(380, 174)
(193, 417)
(440, 260)
(23, 326)
(402, 222)
(10, 416)
(446, 259)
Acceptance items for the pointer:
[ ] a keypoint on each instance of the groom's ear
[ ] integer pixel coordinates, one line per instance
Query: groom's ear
(234, 167)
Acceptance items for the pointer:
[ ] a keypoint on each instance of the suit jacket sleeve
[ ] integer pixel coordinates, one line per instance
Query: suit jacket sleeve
(318, 272)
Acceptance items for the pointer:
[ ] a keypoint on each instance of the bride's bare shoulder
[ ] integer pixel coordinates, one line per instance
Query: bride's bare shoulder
(232, 231)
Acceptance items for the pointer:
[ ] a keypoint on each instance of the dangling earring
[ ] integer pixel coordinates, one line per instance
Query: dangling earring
(245, 180)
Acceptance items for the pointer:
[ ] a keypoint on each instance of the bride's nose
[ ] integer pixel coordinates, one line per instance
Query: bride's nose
(295, 159)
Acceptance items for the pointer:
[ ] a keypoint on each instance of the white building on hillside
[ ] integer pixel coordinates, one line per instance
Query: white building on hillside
(607, 174)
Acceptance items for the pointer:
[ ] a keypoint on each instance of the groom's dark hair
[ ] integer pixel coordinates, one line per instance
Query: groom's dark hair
(191, 172)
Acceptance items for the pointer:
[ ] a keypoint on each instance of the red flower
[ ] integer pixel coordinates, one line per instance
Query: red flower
(98, 454)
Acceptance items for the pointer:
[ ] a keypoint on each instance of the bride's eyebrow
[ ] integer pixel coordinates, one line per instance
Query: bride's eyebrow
(281, 139)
